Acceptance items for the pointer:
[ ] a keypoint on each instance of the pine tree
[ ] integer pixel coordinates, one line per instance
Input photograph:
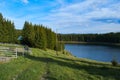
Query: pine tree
(28, 34)
(7, 30)
(40, 37)
(1, 31)
(50, 39)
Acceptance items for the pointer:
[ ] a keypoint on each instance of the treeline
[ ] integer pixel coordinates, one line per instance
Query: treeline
(32, 35)
(7, 31)
(108, 37)
(38, 36)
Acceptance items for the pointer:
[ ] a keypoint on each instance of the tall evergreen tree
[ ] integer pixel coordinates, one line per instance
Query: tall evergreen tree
(40, 37)
(7, 30)
(50, 39)
(28, 34)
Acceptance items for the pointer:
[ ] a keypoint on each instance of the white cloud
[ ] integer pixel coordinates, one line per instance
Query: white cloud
(25, 1)
(60, 2)
(74, 17)
(78, 15)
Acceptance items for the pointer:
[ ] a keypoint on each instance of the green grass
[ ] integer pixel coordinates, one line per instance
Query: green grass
(41, 65)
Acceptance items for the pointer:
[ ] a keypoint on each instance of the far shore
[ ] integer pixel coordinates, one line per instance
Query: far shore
(90, 43)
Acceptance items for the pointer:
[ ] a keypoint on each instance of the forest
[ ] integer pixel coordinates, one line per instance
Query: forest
(7, 30)
(33, 35)
(108, 37)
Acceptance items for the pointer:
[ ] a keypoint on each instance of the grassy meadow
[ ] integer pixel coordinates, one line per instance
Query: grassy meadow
(46, 65)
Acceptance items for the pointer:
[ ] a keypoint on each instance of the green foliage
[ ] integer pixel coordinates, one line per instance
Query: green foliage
(109, 37)
(114, 62)
(38, 36)
(59, 47)
(7, 31)
(67, 53)
(51, 38)
(32, 35)
(28, 34)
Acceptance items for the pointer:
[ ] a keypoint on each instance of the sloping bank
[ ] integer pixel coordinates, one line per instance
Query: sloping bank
(46, 65)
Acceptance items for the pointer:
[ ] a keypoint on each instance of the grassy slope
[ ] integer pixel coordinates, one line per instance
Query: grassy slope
(43, 65)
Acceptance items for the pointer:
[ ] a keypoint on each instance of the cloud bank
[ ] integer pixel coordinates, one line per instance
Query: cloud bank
(70, 16)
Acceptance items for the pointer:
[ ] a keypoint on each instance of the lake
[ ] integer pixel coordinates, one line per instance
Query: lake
(94, 52)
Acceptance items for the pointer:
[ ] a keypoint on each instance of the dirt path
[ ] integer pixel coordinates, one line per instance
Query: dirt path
(46, 74)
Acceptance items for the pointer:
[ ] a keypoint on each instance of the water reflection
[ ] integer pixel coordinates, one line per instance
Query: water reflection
(95, 52)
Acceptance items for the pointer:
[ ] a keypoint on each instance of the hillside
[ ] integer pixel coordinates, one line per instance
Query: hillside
(46, 65)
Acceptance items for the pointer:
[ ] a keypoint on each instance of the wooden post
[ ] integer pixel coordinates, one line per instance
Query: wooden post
(23, 52)
(56, 44)
(16, 52)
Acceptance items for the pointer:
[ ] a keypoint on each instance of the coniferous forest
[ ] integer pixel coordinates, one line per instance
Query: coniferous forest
(107, 38)
(38, 36)
(33, 35)
(7, 30)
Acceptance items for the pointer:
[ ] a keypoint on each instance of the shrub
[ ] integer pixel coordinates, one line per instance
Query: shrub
(66, 53)
(114, 62)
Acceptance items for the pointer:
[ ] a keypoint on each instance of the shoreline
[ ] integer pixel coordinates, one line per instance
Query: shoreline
(91, 43)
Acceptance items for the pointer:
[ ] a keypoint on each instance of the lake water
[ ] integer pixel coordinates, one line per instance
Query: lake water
(94, 52)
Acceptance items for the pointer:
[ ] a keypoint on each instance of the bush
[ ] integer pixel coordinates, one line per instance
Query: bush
(114, 62)
(66, 53)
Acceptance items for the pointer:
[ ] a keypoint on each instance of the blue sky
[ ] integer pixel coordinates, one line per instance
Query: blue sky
(67, 16)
